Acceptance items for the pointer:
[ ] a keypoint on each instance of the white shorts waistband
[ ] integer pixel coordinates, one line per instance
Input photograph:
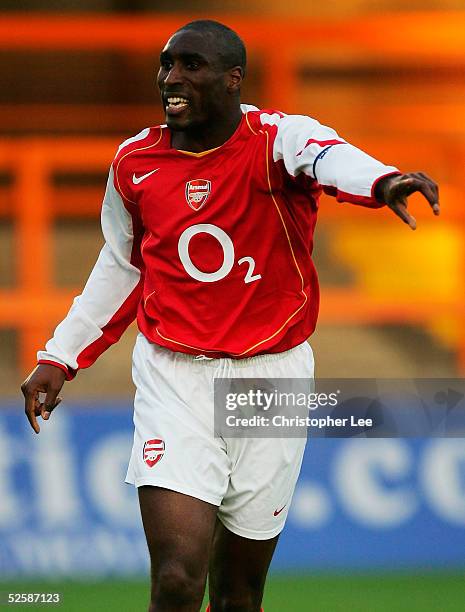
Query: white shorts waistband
(244, 362)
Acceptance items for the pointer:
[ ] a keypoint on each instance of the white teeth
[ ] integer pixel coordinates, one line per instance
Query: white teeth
(176, 101)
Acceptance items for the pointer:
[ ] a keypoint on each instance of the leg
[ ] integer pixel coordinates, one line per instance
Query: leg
(179, 531)
(238, 569)
(253, 511)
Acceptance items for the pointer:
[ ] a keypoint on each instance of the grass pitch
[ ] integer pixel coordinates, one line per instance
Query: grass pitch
(434, 592)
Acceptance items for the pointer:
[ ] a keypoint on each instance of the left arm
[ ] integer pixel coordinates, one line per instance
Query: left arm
(344, 171)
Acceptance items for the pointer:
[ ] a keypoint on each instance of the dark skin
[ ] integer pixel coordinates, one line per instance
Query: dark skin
(46, 379)
(190, 67)
(394, 191)
(184, 537)
(186, 541)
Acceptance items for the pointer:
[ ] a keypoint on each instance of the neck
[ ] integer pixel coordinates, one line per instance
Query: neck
(208, 136)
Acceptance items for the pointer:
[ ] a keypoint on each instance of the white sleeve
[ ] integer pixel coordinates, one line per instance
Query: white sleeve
(108, 303)
(306, 146)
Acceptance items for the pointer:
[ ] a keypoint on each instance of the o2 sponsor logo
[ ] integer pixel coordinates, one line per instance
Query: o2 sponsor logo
(229, 255)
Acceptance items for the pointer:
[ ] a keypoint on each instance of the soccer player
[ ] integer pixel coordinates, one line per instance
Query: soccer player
(208, 223)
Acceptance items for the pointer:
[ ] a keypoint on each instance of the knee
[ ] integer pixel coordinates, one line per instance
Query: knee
(173, 587)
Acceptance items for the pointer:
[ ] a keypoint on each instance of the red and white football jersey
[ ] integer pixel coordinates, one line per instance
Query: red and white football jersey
(212, 251)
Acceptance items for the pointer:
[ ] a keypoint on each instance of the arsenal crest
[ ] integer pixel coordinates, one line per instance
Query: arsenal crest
(197, 192)
(153, 451)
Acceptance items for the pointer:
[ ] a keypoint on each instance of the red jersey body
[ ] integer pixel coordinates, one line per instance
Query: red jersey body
(212, 251)
(226, 247)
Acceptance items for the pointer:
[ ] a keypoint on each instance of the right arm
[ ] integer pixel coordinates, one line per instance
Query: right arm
(99, 316)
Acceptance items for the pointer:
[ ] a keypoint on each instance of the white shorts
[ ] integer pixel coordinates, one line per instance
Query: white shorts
(251, 480)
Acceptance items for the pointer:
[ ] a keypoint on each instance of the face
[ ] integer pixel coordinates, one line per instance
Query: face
(195, 89)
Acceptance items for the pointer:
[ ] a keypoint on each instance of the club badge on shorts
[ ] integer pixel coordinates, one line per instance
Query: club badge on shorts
(153, 451)
(197, 192)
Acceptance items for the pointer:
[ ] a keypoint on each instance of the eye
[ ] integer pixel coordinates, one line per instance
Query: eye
(166, 64)
(193, 65)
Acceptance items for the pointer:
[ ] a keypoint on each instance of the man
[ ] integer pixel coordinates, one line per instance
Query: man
(208, 223)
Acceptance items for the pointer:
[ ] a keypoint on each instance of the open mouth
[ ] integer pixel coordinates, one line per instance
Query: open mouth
(176, 104)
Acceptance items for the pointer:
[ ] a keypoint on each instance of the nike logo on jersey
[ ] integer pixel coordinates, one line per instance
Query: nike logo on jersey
(276, 512)
(138, 179)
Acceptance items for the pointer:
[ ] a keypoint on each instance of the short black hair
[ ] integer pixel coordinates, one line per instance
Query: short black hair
(230, 47)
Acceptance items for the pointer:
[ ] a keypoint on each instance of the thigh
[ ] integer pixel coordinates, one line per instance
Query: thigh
(179, 531)
(238, 569)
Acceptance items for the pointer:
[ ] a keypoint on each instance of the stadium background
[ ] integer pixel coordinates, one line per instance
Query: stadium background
(375, 525)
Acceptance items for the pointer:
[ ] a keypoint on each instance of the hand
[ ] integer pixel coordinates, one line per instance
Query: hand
(46, 379)
(394, 190)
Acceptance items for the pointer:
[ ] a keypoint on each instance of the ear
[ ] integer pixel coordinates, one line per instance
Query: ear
(234, 79)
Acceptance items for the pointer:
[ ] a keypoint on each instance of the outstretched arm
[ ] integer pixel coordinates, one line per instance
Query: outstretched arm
(307, 147)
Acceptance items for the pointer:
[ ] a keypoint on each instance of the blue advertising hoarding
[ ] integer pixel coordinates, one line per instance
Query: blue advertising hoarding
(360, 504)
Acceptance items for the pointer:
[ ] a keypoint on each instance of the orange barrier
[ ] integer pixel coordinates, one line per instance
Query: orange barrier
(34, 305)
(414, 38)
(433, 35)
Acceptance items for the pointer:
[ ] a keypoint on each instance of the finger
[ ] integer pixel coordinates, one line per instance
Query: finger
(429, 180)
(400, 209)
(30, 409)
(46, 414)
(430, 194)
(413, 184)
(38, 407)
(50, 402)
(435, 188)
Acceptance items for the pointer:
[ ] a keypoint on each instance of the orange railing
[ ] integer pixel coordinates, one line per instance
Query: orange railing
(35, 304)
(280, 44)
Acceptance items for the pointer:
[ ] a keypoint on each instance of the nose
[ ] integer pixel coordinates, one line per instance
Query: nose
(173, 75)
